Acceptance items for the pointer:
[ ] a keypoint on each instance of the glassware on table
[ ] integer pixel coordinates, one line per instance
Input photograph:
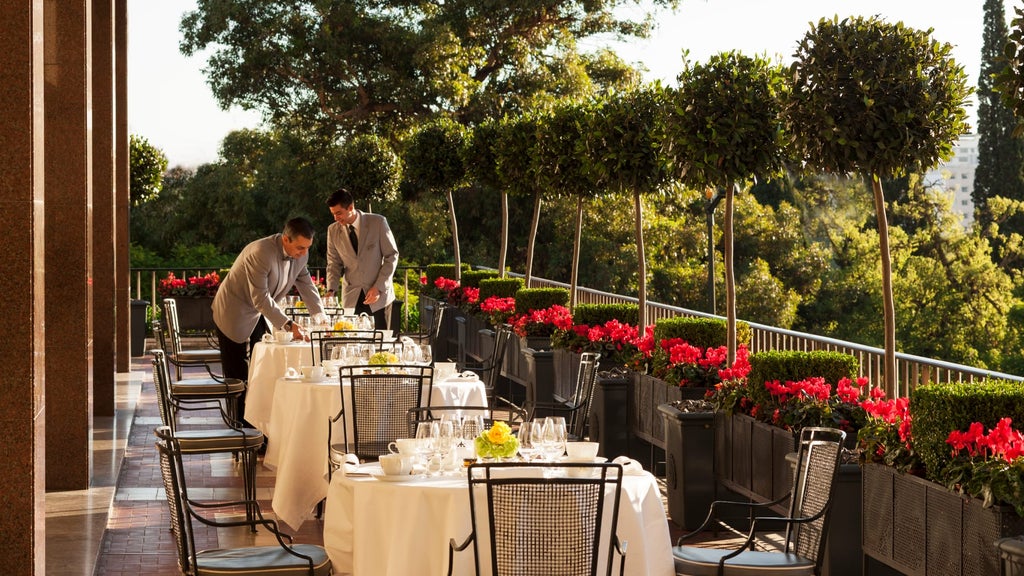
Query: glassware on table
(445, 441)
(554, 437)
(426, 433)
(527, 447)
(426, 355)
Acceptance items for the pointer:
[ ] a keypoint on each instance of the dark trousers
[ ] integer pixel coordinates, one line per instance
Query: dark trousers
(380, 317)
(234, 358)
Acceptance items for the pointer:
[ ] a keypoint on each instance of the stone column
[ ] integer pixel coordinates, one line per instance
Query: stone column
(22, 425)
(68, 239)
(121, 177)
(103, 162)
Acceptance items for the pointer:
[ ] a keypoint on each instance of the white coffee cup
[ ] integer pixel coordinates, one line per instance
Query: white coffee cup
(268, 338)
(405, 446)
(396, 464)
(581, 449)
(312, 372)
(282, 336)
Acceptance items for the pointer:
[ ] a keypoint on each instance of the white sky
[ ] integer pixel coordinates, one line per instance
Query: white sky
(170, 104)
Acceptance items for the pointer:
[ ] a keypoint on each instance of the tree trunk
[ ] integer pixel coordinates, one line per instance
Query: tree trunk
(576, 253)
(888, 306)
(455, 236)
(641, 263)
(533, 238)
(503, 250)
(730, 277)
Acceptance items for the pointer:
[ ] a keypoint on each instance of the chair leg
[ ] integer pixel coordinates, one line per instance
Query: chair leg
(249, 486)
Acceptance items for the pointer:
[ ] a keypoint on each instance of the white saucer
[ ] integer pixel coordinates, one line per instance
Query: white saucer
(398, 477)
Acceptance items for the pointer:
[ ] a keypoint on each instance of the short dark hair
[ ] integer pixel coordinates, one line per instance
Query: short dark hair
(341, 197)
(298, 227)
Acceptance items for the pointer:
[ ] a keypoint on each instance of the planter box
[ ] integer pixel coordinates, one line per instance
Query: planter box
(540, 380)
(567, 367)
(195, 314)
(750, 457)
(646, 394)
(609, 418)
(689, 471)
(469, 345)
(923, 529)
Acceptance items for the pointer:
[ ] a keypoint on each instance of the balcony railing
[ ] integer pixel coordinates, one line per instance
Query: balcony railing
(911, 371)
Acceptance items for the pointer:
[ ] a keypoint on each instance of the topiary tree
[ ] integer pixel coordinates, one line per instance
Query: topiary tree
(623, 155)
(433, 164)
(877, 99)
(146, 170)
(481, 160)
(726, 127)
(517, 140)
(370, 169)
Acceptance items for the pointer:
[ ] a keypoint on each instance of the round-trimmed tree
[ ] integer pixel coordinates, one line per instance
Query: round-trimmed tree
(370, 169)
(877, 99)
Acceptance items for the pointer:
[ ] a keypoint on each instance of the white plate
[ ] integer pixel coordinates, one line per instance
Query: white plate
(398, 477)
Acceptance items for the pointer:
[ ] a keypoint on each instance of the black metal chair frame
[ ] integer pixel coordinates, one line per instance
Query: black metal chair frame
(322, 341)
(283, 558)
(489, 369)
(178, 355)
(534, 510)
(576, 409)
(819, 455)
(379, 401)
(431, 413)
(244, 443)
(429, 331)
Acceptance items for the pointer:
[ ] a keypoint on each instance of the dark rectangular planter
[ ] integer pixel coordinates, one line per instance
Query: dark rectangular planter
(567, 367)
(540, 380)
(646, 394)
(689, 464)
(609, 418)
(923, 529)
(195, 314)
(752, 457)
(469, 345)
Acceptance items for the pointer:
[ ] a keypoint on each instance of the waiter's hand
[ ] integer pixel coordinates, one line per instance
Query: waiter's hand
(372, 295)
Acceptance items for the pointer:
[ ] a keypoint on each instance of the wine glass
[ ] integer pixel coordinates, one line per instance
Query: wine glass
(426, 354)
(445, 441)
(527, 448)
(554, 437)
(536, 436)
(426, 433)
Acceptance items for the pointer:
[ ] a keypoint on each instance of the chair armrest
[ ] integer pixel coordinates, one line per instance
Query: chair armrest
(712, 517)
(453, 548)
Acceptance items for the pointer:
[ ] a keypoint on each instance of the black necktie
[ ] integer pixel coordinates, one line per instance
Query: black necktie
(353, 238)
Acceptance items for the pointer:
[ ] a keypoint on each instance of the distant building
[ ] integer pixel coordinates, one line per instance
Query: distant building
(957, 176)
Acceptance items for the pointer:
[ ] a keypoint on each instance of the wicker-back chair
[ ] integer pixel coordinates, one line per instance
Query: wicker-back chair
(323, 342)
(819, 455)
(281, 559)
(536, 519)
(177, 354)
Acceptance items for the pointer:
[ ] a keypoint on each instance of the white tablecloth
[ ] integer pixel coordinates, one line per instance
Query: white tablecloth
(270, 361)
(297, 431)
(374, 528)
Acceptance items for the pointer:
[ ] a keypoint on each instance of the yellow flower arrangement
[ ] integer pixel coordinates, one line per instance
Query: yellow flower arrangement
(343, 325)
(383, 358)
(498, 442)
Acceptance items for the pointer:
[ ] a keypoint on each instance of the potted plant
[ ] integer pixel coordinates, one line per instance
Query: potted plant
(194, 297)
(942, 477)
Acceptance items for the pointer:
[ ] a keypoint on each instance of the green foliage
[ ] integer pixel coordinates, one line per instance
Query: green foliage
(433, 157)
(480, 155)
(559, 150)
(599, 314)
(763, 298)
(500, 287)
(700, 332)
(938, 409)
(793, 366)
(1010, 80)
(358, 66)
(876, 98)
(146, 169)
(514, 149)
(370, 169)
(540, 298)
(435, 271)
(726, 123)
(472, 278)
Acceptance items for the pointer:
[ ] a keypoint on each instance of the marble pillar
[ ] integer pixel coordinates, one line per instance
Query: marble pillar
(68, 240)
(103, 162)
(122, 168)
(22, 421)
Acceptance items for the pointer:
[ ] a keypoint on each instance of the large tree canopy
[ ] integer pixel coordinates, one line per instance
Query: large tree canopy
(350, 63)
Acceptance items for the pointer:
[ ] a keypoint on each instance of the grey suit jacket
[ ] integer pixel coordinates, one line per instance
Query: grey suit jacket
(373, 266)
(260, 275)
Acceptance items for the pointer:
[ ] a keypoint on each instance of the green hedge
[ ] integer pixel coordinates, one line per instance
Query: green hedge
(793, 366)
(435, 271)
(699, 332)
(938, 409)
(472, 278)
(599, 314)
(540, 298)
(500, 287)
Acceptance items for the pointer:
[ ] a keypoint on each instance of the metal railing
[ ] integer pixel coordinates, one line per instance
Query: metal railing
(911, 371)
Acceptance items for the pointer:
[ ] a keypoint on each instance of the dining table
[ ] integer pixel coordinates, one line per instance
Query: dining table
(297, 429)
(374, 526)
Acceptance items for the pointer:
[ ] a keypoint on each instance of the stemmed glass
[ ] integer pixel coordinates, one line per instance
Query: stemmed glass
(527, 446)
(426, 434)
(426, 354)
(445, 441)
(472, 426)
(554, 437)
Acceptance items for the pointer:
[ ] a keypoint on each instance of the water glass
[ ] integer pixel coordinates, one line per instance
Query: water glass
(554, 437)
(527, 448)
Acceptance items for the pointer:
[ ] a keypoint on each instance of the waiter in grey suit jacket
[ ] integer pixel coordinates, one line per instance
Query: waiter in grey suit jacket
(263, 272)
(362, 249)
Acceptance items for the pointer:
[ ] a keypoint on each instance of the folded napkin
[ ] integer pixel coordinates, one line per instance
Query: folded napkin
(351, 465)
(630, 467)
